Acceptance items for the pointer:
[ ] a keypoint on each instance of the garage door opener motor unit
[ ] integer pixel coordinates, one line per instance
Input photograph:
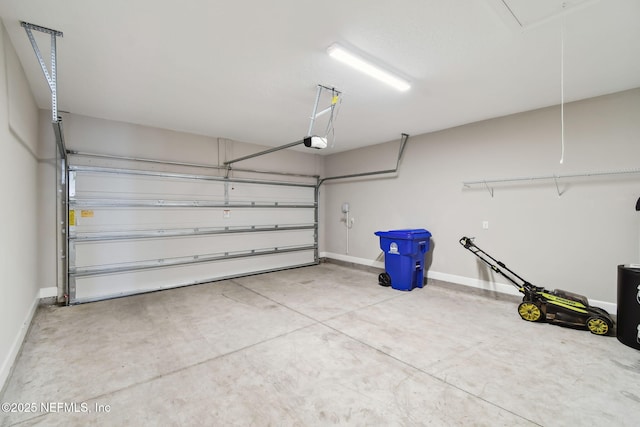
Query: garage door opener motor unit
(540, 305)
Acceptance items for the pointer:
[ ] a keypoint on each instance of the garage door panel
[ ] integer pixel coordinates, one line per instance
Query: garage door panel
(107, 219)
(121, 186)
(94, 253)
(243, 192)
(133, 231)
(104, 286)
(92, 185)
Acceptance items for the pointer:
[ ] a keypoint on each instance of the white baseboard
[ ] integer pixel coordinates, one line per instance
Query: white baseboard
(48, 292)
(9, 359)
(503, 288)
(474, 283)
(355, 260)
(610, 307)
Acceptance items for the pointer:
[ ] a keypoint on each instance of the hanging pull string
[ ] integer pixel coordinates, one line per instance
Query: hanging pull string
(562, 87)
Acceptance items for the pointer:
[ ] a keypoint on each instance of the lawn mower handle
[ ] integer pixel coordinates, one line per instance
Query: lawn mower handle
(515, 280)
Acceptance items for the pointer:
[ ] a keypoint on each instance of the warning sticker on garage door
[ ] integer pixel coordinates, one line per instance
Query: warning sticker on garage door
(86, 213)
(72, 218)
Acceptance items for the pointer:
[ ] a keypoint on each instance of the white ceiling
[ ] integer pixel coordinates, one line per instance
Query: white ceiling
(248, 70)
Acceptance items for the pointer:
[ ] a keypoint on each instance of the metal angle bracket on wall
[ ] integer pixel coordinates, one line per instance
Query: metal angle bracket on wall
(62, 196)
(50, 76)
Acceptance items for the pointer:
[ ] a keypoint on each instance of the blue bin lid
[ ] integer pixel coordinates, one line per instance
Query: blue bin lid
(407, 234)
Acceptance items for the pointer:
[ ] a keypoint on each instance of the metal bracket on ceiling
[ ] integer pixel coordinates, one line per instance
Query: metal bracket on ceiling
(50, 76)
(335, 97)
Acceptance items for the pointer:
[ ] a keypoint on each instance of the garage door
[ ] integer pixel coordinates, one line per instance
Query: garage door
(134, 230)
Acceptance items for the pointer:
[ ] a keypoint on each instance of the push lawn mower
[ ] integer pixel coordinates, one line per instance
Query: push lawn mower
(540, 305)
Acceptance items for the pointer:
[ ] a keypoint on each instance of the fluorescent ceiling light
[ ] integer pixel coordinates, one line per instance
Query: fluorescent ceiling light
(341, 54)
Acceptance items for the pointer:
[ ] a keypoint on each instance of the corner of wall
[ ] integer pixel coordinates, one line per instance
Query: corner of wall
(458, 280)
(18, 225)
(14, 350)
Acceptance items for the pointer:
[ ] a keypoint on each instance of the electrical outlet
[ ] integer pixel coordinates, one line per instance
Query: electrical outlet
(485, 225)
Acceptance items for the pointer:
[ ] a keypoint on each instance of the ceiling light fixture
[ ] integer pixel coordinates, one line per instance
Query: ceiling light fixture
(341, 54)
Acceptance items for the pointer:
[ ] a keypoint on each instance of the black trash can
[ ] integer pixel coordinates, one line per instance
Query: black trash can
(628, 324)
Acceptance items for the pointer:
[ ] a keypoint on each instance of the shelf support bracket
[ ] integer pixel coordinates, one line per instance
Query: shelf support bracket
(489, 189)
(555, 179)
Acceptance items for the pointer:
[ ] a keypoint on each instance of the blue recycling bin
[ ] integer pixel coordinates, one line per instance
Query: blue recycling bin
(404, 252)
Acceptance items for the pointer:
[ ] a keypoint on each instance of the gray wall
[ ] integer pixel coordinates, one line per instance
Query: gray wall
(19, 174)
(84, 133)
(573, 241)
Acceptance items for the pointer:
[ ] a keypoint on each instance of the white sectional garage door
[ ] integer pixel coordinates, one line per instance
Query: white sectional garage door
(140, 230)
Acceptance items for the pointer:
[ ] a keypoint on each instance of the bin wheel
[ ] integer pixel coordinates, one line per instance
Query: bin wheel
(530, 311)
(384, 279)
(598, 325)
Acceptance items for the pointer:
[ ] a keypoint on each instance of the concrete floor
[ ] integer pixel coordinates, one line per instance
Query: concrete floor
(322, 345)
